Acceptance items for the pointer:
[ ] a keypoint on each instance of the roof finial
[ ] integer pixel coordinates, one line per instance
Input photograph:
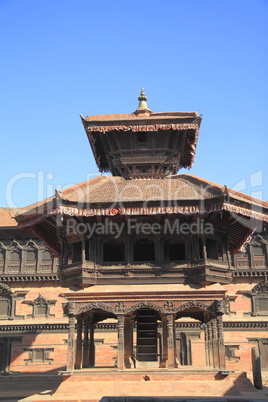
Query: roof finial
(143, 107)
(142, 100)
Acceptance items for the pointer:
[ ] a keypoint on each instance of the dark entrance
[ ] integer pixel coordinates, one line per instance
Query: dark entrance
(5, 352)
(146, 335)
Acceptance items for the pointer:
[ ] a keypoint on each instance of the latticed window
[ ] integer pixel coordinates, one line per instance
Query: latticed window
(30, 255)
(259, 297)
(15, 256)
(41, 307)
(41, 310)
(230, 352)
(263, 304)
(39, 355)
(46, 256)
(4, 307)
(242, 259)
(258, 255)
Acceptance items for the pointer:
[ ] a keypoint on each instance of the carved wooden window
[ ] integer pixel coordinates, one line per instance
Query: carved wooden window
(46, 256)
(259, 297)
(5, 307)
(263, 346)
(113, 251)
(143, 250)
(230, 352)
(41, 307)
(15, 256)
(212, 248)
(77, 252)
(258, 255)
(30, 255)
(242, 259)
(30, 261)
(6, 302)
(39, 355)
(2, 260)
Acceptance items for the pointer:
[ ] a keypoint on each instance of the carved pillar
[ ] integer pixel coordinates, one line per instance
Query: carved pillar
(91, 343)
(121, 343)
(210, 348)
(164, 341)
(71, 343)
(250, 254)
(207, 346)
(170, 341)
(128, 341)
(86, 346)
(221, 349)
(78, 358)
(23, 261)
(215, 343)
(39, 259)
(83, 256)
(204, 248)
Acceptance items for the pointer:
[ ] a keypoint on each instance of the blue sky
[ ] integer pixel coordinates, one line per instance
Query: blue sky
(62, 58)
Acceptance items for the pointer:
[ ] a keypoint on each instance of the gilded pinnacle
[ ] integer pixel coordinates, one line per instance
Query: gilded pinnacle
(142, 101)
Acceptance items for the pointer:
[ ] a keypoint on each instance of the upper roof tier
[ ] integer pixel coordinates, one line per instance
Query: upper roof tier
(143, 143)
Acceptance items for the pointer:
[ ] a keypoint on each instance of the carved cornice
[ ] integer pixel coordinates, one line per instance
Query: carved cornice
(29, 278)
(246, 326)
(33, 328)
(112, 327)
(250, 273)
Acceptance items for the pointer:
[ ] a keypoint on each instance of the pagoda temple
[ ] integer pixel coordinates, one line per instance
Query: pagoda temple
(140, 269)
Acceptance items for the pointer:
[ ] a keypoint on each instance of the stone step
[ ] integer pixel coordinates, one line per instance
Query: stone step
(155, 385)
(29, 382)
(124, 386)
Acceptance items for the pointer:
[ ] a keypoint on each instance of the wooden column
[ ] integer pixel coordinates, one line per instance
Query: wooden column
(215, 343)
(83, 256)
(129, 360)
(210, 347)
(86, 346)
(170, 341)
(121, 343)
(204, 248)
(79, 343)
(71, 344)
(164, 341)
(207, 346)
(91, 343)
(221, 348)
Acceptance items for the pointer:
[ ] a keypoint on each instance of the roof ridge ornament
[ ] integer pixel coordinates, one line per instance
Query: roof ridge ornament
(143, 107)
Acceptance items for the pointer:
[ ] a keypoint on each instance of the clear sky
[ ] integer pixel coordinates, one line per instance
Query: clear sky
(60, 58)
